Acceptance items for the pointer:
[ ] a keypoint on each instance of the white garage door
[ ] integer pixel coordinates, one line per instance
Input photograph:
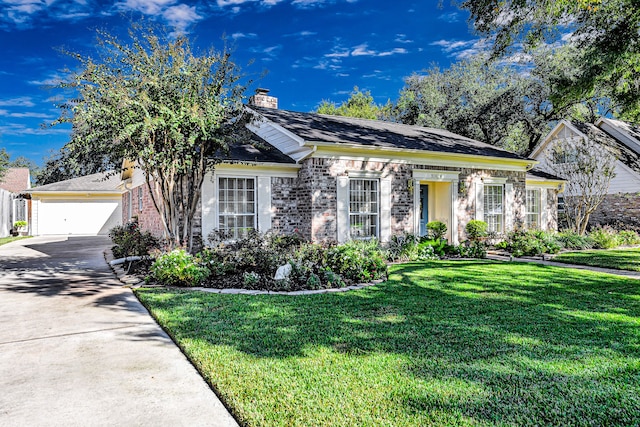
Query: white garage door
(78, 216)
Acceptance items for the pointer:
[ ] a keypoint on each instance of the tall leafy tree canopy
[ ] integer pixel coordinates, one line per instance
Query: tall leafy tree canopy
(606, 33)
(4, 162)
(154, 101)
(360, 104)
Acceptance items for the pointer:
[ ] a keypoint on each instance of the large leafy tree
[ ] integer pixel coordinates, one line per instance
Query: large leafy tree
(360, 104)
(507, 104)
(4, 162)
(155, 101)
(606, 33)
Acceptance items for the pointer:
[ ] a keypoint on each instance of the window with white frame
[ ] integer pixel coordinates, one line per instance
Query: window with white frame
(533, 208)
(364, 208)
(494, 207)
(236, 206)
(21, 210)
(140, 193)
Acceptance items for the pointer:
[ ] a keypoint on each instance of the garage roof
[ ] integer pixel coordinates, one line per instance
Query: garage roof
(103, 182)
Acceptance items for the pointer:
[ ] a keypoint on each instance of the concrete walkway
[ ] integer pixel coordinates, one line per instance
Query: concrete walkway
(78, 349)
(624, 273)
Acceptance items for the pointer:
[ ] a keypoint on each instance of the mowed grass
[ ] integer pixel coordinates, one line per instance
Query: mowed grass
(5, 240)
(439, 344)
(620, 259)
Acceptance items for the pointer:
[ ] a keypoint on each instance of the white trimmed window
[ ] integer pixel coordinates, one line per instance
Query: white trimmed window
(533, 208)
(494, 207)
(21, 210)
(236, 206)
(364, 208)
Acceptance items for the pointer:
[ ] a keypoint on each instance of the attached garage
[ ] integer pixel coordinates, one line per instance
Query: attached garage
(85, 205)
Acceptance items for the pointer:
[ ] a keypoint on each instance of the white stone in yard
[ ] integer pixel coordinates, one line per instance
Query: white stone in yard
(283, 272)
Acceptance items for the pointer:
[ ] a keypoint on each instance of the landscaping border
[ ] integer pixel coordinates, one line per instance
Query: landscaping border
(133, 281)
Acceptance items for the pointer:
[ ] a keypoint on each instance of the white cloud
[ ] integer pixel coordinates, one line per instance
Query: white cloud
(148, 7)
(363, 50)
(397, 50)
(181, 16)
(23, 101)
(450, 17)
(402, 38)
(461, 49)
(237, 36)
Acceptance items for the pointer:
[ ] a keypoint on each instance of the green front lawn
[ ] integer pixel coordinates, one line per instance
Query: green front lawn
(620, 259)
(5, 240)
(442, 344)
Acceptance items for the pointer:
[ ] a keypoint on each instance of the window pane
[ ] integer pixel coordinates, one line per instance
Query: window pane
(494, 207)
(236, 205)
(363, 208)
(533, 208)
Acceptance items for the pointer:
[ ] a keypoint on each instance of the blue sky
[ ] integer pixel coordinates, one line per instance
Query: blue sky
(311, 49)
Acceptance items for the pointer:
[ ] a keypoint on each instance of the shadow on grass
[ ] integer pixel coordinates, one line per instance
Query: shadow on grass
(540, 344)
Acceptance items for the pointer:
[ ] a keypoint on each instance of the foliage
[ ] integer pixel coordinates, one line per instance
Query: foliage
(360, 104)
(4, 162)
(473, 249)
(446, 343)
(178, 268)
(490, 102)
(130, 241)
(588, 170)
(75, 160)
(605, 34)
(628, 237)
(357, 261)
(605, 237)
(20, 224)
(156, 102)
(402, 247)
(437, 229)
(476, 230)
(530, 243)
(619, 259)
(572, 240)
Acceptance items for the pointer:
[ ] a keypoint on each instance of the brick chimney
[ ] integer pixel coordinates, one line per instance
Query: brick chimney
(262, 99)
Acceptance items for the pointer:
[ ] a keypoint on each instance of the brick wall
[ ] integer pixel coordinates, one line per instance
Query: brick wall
(621, 208)
(148, 216)
(284, 202)
(552, 209)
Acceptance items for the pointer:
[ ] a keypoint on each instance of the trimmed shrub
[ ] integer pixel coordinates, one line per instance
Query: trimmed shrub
(178, 268)
(529, 243)
(437, 230)
(357, 261)
(476, 230)
(130, 241)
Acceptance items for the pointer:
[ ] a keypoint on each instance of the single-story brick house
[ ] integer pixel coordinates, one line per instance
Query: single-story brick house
(622, 202)
(336, 178)
(13, 207)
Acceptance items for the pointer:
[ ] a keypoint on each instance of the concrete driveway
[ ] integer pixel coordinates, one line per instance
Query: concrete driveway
(78, 349)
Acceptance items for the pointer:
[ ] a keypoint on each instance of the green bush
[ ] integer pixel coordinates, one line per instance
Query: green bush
(357, 261)
(530, 243)
(437, 229)
(20, 224)
(402, 247)
(574, 241)
(130, 241)
(605, 237)
(178, 268)
(629, 237)
(476, 230)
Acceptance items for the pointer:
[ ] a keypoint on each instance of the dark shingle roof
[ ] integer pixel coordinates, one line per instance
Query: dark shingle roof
(15, 180)
(97, 182)
(538, 173)
(625, 154)
(258, 150)
(376, 133)
(630, 129)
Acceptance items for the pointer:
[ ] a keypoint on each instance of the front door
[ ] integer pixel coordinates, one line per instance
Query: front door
(424, 209)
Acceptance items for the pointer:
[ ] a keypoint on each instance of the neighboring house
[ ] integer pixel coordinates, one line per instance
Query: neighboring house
(90, 204)
(622, 202)
(337, 178)
(13, 207)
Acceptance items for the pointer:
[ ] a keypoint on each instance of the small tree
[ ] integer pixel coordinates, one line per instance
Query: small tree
(588, 169)
(156, 102)
(4, 162)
